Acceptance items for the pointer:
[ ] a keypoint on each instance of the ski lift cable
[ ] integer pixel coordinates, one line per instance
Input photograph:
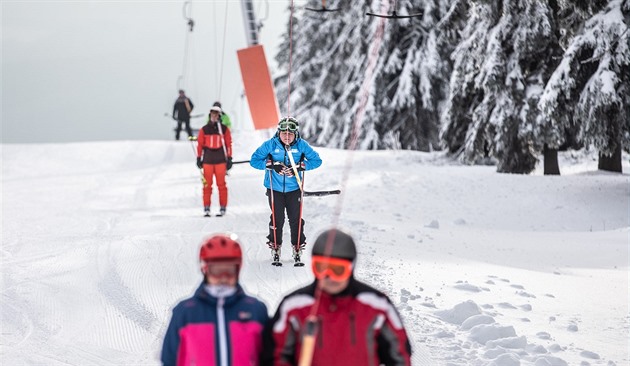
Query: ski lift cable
(363, 96)
(185, 60)
(219, 57)
(227, 4)
(186, 11)
(216, 46)
(311, 325)
(290, 60)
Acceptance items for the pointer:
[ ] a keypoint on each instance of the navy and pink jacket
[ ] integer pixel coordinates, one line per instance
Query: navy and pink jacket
(210, 331)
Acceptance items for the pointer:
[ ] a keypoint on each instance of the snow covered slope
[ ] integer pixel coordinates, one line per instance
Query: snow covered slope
(100, 240)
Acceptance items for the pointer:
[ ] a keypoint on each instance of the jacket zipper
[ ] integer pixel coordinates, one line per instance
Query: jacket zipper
(353, 331)
(320, 331)
(223, 351)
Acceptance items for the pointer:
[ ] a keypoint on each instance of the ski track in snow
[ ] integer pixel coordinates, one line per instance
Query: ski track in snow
(121, 251)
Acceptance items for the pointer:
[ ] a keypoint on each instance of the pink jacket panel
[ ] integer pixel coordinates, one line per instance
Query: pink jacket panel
(197, 345)
(246, 343)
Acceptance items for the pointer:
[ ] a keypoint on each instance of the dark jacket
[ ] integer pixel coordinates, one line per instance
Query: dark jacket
(180, 111)
(199, 324)
(359, 326)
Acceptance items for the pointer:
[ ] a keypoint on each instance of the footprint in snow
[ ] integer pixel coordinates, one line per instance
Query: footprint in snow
(467, 287)
(589, 354)
(525, 294)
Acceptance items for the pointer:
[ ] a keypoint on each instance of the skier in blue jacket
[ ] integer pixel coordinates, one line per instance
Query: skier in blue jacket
(219, 324)
(278, 156)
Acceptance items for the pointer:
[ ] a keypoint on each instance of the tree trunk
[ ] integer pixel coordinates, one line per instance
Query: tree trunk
(611, 163)
(550, 158)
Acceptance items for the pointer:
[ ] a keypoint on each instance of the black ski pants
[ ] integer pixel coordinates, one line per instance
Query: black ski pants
(291, 202)
(186, 123)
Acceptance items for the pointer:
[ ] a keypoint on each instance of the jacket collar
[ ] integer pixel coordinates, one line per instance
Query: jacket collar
(203, 295)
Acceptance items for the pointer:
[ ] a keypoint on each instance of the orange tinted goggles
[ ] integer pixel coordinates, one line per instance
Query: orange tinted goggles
(336, 269)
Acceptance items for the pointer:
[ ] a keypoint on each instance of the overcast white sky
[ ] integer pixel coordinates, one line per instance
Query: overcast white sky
(108, 70)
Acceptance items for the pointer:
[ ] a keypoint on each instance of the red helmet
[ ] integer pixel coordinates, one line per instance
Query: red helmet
(220, 248)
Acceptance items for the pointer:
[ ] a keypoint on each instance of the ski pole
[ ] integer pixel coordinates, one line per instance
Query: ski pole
(192, 146)
(273, 211)
(299, 236)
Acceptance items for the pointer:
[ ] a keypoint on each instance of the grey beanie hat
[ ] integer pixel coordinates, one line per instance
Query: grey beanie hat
(342, 245)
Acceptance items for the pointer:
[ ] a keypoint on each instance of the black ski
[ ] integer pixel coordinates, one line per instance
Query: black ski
(321, 193)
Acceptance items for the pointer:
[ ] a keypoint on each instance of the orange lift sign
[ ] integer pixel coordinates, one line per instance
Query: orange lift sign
(261, 96)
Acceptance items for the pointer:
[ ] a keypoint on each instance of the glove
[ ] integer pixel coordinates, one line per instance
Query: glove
(229, 163)
(269, 162)
(278, 167)
(287, 171)
(199, 163)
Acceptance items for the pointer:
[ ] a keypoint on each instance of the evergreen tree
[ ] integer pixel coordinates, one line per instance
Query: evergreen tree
(325, 51)
(386, 75)
(498, 76)
(591, 85)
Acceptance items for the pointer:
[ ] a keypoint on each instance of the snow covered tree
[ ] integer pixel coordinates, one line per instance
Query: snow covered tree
(385, 76)
(326, 50)
(498, 76)
(590, 88)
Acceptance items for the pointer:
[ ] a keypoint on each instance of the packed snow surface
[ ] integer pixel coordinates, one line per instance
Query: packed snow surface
(100, 241)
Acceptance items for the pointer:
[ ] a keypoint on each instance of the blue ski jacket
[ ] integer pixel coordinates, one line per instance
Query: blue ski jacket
(279, 153)
(206, 330)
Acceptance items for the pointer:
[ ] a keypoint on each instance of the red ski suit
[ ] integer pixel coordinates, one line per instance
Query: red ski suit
(214, 146)
(359, 326)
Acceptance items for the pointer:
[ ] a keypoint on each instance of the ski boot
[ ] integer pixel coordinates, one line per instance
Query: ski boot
(297, 255)
(206, 211)
(275, 254)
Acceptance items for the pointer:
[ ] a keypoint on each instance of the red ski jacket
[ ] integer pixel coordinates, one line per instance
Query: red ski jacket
(359, 326)
(214, 143)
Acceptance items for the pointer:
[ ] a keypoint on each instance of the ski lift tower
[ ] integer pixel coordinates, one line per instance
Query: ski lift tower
(259, 90)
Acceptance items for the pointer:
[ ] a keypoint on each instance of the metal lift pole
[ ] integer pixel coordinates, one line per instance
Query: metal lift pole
(249, 20)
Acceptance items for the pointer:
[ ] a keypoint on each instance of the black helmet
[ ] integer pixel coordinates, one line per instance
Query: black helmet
(342, 245)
